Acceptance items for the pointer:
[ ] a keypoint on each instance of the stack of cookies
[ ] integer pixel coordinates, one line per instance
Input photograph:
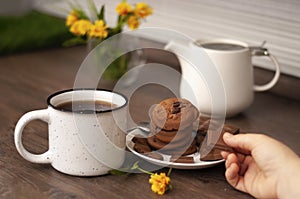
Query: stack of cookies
(171, 127)
(177, 129)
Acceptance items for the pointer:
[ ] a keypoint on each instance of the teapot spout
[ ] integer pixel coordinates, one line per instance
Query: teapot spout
(200, 80)
(177, 47)
(187, 50)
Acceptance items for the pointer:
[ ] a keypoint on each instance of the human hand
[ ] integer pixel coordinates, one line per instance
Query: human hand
(261, 166)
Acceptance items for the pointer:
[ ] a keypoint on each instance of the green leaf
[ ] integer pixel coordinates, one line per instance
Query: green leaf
(74, 41)
(82, 14)
(119, 19)
(117, 172)
(135, 165)
(101, 14)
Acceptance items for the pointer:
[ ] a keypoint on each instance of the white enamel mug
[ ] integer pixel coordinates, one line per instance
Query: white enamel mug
(81, 144)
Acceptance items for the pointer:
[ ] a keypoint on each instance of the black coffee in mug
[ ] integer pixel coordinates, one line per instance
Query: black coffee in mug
(86, 106)
(222, 46)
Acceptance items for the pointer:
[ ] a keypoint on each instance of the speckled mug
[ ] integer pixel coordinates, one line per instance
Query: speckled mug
(81, 144)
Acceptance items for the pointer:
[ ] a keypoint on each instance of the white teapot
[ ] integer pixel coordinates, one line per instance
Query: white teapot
(217, 75)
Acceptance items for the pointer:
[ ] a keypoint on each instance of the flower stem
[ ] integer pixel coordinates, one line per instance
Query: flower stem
(169, 172)
(144, 171)
(136, 166)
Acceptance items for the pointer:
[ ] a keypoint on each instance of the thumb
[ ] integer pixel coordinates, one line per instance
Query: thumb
(244, 143)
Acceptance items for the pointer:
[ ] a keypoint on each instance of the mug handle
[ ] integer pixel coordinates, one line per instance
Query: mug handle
(264, 52)
(23, 121)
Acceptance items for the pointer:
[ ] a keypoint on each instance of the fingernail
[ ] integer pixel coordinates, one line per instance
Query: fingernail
(224, 154)
(227, 136)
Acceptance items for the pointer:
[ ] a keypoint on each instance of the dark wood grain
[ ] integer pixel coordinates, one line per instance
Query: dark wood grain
(27, 79)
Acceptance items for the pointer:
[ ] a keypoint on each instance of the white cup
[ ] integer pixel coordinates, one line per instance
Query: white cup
(236, 70)
(80, 143)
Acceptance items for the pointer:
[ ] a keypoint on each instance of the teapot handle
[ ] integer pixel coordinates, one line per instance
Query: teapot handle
(259, 51)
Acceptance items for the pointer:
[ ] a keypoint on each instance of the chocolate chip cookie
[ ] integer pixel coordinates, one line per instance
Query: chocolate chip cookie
(174, 114)
(170, 136)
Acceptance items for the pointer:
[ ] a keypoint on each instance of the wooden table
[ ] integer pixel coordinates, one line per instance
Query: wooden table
(27, 79)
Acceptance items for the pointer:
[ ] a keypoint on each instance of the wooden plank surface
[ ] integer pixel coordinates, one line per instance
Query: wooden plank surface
(26, 80)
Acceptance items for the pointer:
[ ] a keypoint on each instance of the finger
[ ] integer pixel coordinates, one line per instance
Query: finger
(233, 177)
(232, 174)
(240, 157)
(245, 142)
(231, 158)
(224, 154)
(241, 184)
(246, 164)
(243, 169)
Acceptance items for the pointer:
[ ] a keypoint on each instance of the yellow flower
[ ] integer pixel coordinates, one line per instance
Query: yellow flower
(142, 10)
(84, 27)
(81, 27)
(133, 22)
(99, 29)
(72, 17)
(160, 183)
(123, 8)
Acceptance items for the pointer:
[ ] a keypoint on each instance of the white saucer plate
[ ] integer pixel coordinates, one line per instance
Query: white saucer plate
(198, 164)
